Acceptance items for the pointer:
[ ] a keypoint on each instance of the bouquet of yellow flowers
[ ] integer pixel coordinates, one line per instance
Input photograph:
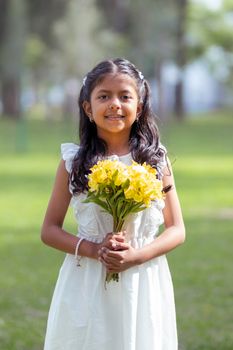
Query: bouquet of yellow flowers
(121, 190)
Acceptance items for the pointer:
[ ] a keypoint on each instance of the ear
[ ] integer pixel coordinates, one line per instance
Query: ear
(87, 108)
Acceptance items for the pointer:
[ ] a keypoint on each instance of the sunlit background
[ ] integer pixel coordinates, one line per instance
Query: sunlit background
(185, 49)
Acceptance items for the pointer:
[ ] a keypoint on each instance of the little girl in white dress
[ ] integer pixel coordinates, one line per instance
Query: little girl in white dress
(138, 312)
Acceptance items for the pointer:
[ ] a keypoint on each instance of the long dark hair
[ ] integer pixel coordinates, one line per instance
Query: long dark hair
(144, 136)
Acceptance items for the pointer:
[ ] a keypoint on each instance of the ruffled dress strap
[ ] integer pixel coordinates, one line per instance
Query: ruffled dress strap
(68, 152)
(163, 161)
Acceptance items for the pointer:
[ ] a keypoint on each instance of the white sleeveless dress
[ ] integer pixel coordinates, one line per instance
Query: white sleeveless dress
(136, 313)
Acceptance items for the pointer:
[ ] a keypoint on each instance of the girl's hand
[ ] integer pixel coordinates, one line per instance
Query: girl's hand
(120, 260)
(114, 241)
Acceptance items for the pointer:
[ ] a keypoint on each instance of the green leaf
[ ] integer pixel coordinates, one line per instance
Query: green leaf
(117, 194)
(120, 207)
(125, 185)
(98, 201)
(114, 176)
(137, 210)
(138, 207)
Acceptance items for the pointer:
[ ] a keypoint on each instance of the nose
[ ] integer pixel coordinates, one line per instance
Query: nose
(114, 105)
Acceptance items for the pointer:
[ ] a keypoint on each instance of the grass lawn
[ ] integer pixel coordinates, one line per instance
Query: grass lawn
(201, 150)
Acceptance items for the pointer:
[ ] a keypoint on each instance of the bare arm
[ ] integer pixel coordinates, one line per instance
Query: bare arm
(52, 232)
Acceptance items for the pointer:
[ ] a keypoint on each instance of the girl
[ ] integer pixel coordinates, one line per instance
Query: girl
(138, 312)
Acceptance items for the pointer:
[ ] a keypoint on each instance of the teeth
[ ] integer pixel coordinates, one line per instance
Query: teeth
(117, 117)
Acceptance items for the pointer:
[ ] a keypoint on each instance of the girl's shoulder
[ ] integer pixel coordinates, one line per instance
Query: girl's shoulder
(68, 152)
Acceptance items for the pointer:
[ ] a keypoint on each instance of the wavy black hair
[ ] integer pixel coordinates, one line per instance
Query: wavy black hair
(144, 142)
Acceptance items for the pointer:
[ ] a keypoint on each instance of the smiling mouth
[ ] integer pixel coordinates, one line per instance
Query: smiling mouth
(114, 117)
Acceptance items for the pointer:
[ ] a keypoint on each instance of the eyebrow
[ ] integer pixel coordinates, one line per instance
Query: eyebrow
(108, 91)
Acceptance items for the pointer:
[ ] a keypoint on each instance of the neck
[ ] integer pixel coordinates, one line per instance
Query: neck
(117, 147)
(118, 152)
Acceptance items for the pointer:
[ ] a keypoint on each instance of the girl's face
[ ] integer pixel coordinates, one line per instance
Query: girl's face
(114, 105)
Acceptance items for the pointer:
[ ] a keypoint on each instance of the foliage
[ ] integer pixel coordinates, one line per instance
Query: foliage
(20, 19)
(81, 40)
(58, 40)
(210, 36)
(12, 44)
(148, 44)
(35, 50)
(42, 15)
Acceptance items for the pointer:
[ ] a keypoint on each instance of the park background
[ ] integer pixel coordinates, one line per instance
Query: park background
(184, 48)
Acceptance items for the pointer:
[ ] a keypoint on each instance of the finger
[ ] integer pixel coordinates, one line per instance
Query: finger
(100, 259)
(109, 244)
(115, 262)
(122, 246)
(108, 265)
(111, 259)
(114, 245)
(111, 266)
(119, 239)
(107, 238)
(103, 252)
(113, 256)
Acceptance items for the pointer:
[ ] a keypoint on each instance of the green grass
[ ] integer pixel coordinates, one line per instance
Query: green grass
(201, 152)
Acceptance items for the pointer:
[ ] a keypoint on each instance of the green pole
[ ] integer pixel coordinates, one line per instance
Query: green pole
(21, 141)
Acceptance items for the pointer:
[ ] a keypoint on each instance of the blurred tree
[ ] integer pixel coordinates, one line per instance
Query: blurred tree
(180, 55)
(161, 40)
(210, 38)
(154, 43)
(219, 52)
(77, 39)
(20, 20)
(81, 40)
(52, 41)
(150, 28)
(117, 14)
(42, 15)
(3, 17)
(36, 60)
(12, 40)
(157, 41)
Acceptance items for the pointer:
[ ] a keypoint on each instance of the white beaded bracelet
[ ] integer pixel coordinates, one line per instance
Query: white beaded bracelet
(78, 257)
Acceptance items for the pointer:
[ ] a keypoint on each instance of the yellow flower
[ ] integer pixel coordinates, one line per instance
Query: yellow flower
(120, 190)
(107, 172)
(144, 186)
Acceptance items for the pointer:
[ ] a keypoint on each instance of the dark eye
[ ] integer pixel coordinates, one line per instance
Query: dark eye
(125, 97)
(103, 97)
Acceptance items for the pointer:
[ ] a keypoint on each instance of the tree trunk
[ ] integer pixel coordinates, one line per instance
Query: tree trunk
(180, 57)
(11, 98)
(179, 101)
(160, 92)
(12, 56)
